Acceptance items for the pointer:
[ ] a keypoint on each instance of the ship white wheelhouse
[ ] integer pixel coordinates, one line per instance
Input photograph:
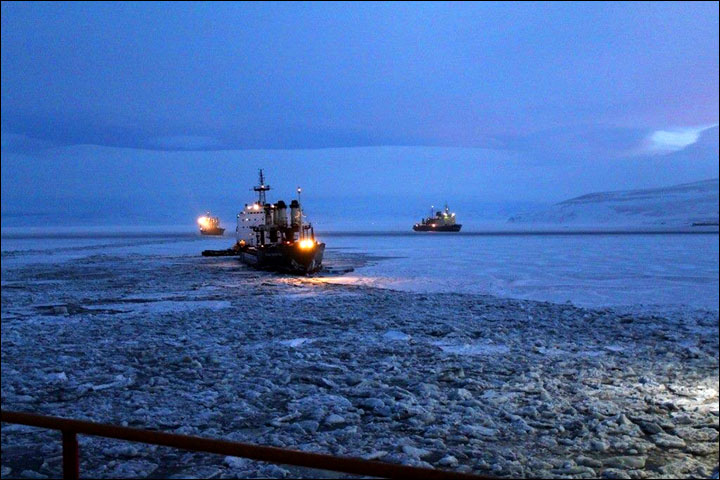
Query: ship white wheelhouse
(252, 216)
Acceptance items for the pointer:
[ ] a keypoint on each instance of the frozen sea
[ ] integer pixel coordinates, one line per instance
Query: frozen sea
(585, 269)
(593, 269)
(135, 326)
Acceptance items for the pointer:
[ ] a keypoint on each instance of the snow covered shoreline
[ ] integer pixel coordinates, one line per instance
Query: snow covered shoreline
(685, 205)
(457, 381)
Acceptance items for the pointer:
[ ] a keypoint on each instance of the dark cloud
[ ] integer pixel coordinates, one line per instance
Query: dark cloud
(583, 78)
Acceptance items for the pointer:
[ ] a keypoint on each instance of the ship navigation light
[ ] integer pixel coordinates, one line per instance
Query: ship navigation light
(305, 244)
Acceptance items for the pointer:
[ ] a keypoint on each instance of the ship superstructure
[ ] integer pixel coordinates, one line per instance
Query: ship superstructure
(275, 237)
(441, 221)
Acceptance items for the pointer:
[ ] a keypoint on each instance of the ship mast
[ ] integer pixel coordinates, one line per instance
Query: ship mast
(261, 189)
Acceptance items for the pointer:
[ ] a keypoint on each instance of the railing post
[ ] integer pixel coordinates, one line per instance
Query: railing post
(71, 456)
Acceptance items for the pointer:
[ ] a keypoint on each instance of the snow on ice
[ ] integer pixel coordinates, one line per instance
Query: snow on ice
(165, 339)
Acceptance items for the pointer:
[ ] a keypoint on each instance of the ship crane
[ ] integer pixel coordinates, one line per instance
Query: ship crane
(301, 232)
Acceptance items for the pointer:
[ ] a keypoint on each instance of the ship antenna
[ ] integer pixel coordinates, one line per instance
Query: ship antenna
(261, 189)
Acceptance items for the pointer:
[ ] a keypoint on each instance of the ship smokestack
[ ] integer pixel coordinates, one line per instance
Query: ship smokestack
(295, 213)
(281, 214)
(269, 214)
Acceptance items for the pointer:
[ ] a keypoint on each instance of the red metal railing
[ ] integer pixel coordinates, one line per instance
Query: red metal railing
(71, 455)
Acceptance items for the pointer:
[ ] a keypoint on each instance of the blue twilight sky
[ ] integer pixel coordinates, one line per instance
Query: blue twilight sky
(584, 88)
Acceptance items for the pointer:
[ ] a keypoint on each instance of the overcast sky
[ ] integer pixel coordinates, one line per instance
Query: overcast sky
(298, 75)
(582, 88)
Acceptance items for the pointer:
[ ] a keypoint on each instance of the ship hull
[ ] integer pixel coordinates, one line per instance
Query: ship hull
(438, 228)
(212, 231)
(284, 258)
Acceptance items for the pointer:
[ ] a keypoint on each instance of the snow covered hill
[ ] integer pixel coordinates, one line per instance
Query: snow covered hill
(676, 206)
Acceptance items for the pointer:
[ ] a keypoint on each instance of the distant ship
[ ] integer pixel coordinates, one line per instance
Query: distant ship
(438, 222)
(267, 239)
(210, 225)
